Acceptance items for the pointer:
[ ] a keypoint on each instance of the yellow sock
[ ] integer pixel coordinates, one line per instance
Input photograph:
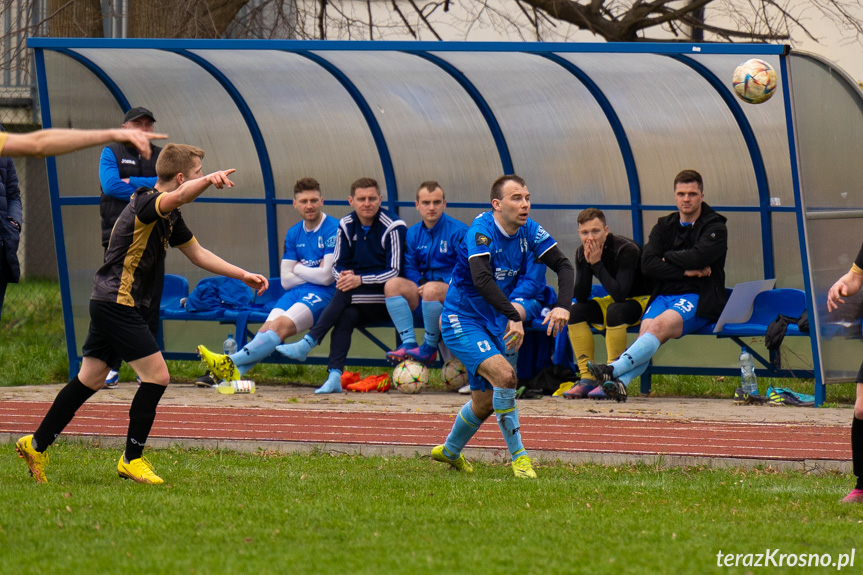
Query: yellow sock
(581, 339)
(615, 341)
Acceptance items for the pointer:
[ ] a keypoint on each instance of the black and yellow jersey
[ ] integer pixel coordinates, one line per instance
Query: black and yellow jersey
(135, 259)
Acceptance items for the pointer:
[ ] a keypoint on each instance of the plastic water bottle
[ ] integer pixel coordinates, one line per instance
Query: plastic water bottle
(748, 381)
(229, 347)
(239, 386)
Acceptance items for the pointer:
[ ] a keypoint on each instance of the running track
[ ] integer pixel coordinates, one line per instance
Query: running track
(553, 437)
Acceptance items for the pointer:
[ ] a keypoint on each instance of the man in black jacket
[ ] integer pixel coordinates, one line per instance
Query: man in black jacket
(685, 255)
(615, 261)
(10, 225)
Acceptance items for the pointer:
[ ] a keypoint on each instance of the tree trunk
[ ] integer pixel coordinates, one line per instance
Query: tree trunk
(181, 18)
(75, 19)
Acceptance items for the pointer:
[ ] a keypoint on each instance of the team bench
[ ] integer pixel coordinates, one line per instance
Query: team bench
(766, 307)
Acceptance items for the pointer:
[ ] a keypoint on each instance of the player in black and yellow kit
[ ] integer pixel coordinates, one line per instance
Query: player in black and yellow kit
(134, 263)
(846, 286)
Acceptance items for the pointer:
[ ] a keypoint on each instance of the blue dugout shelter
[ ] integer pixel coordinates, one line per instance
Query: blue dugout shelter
(602, 125)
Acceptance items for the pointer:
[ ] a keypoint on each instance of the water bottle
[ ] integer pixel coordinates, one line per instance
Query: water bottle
(229, 347)
(748, 381)
(240, 386)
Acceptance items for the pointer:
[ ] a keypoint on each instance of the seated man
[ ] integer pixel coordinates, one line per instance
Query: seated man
(616, 262)
(368, 253)
(134, 263)
(685, 255)
(430, 254)
(307, 277)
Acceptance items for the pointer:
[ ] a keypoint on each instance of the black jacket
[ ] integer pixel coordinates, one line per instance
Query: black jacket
(130, 164)
(706, 245)
(10, 209)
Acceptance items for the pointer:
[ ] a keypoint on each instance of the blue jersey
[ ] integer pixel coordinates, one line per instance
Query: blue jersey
(310, 247)
(430, 254)
(509, 256)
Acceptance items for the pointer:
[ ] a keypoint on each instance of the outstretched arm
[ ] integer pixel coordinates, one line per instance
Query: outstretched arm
(191, 189)
(54, 142)
(207, 260)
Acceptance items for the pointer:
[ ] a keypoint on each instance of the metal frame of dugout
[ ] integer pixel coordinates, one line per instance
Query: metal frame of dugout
(603, 125)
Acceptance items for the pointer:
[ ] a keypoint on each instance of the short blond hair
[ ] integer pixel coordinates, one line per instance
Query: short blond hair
(176, 159)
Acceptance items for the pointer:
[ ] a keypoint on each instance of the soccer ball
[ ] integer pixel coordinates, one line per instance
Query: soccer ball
(410, 376)
(754, 81)
(454, 375)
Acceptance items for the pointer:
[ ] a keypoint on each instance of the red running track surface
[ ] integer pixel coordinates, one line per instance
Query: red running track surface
(642, 436)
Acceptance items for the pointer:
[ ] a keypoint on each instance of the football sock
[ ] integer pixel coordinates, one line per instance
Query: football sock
(333, 384)
(67, 402)
(857, 450)
(463, 428)
(581, 339)
(298, 350)
(431, 322)
(142, 413)
(261, 346)
(633, 373)
(639, 352)
(506, 412)
(615, 341)
(403, 319)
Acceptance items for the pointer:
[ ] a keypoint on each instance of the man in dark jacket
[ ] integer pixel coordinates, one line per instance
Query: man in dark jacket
(615, 261)
(10, 225)
(685, 254)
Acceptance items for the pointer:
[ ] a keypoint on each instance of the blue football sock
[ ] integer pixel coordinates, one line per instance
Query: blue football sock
(299, 350)
(431, 321)
(506, 412)
(403, 319)
(333, 384)
(640, 352)
(633, 373)
(261, 346)
(465, 426)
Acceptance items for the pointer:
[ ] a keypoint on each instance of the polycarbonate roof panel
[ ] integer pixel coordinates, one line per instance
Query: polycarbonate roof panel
(71, 84)
(829, 128)
(767, 120)
(558, 136)
(674, 120)
(309, 122)
(433, 129)
(191, 107)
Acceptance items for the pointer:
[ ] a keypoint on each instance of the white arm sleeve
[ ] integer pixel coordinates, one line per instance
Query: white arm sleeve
(289, 279)
(321, 275)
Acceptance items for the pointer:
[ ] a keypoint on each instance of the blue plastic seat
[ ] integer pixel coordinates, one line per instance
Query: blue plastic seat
(765, 308)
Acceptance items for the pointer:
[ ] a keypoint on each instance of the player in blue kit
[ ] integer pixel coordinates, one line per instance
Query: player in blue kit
(307, 275)
(431, 247)
(479, 323)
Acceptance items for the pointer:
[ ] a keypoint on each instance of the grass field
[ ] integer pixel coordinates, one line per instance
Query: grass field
(225, 512)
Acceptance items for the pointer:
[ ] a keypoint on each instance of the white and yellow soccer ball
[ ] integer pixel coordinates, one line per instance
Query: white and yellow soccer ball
(410, 376)
(754, 81)
(454, 375)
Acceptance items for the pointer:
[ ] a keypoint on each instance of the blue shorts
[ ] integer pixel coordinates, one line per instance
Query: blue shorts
(532, 308)
(685, 304)
(472, 344)
(315, 297)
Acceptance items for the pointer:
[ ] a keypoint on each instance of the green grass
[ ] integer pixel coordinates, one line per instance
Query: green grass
(226, 512)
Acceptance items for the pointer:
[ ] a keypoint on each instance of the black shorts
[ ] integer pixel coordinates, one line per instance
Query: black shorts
(118, 332)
